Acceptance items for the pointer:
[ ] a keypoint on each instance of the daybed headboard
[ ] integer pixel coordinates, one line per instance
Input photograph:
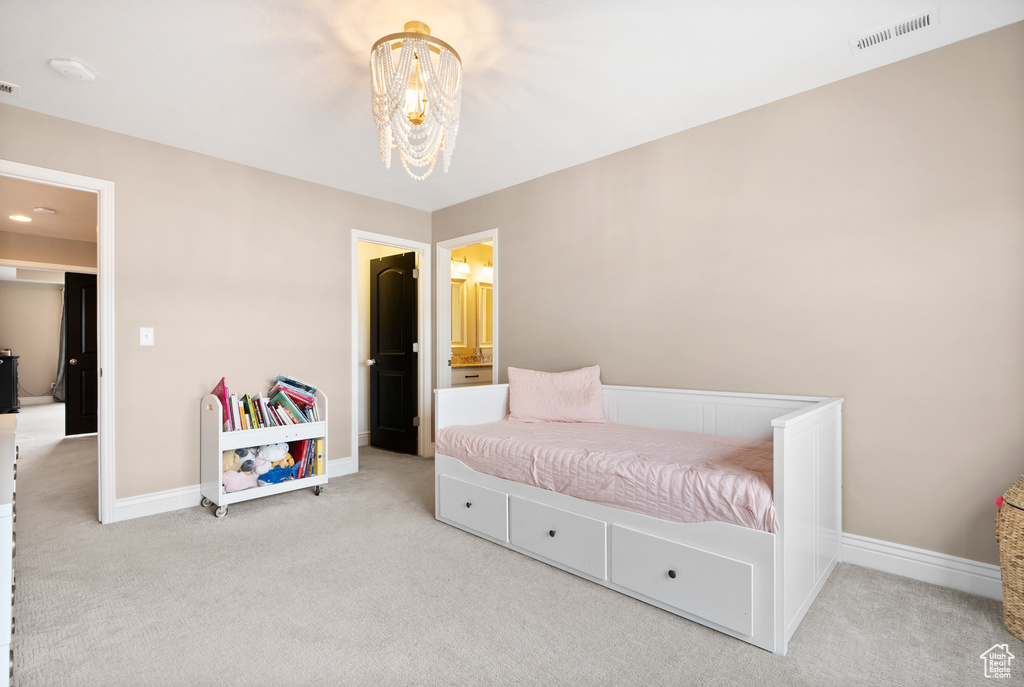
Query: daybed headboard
(744, 416)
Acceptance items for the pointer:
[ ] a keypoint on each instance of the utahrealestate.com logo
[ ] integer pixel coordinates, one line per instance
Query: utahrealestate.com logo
(997, 661)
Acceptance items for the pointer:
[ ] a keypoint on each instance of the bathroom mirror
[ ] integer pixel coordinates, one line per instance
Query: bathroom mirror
(484, 315)
(459, 314)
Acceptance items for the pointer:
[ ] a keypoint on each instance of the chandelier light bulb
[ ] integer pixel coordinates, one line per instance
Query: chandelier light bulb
(415, 96)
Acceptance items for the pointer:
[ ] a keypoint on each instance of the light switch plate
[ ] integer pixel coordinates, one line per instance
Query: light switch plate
(146, 336)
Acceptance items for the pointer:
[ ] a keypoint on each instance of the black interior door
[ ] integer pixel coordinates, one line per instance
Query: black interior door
(393, 378)
(81, 359)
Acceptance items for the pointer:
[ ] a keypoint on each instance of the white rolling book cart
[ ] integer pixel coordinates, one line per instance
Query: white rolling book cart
(214, 441)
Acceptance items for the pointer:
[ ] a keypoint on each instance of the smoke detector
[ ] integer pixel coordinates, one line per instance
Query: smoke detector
(75, 71)
(895, 30)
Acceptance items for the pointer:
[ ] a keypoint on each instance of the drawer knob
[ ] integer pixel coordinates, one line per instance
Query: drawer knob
(551, 533)
(469, 504)
(672, 574)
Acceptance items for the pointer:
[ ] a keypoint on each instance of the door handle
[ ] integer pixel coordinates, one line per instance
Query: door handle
(73, 361)
(371, 361)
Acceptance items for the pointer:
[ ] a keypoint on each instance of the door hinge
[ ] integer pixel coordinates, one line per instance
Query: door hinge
(416, 422)
(415, 348)
(416, 273)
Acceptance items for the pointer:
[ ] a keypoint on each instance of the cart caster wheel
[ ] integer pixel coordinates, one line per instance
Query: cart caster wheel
(318, 489)
(221, 512)
(206, 503)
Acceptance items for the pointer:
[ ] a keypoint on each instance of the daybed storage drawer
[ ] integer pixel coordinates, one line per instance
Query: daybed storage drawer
(567, 538)
(706, 584)
(478, 508)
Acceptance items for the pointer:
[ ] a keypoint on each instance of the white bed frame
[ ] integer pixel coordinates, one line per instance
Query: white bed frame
(752, 585)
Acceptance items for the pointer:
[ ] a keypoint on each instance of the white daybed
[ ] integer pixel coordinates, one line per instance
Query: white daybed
(750, 584)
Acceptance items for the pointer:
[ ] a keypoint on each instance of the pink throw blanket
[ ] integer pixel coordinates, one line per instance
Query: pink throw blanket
(671, 475)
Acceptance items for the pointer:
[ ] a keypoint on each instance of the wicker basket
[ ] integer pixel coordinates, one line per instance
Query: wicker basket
(1010, 535)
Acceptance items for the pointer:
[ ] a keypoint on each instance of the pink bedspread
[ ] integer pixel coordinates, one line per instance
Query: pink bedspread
(677, 476)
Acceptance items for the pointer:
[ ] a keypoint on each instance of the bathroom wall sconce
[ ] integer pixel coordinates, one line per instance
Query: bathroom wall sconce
(487, 272)
(460, 268)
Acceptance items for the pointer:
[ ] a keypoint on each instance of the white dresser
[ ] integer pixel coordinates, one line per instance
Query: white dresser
(8, 475)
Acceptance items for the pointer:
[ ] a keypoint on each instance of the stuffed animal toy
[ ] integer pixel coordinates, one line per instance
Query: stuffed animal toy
(272, 455)
(272, 452)
(231, 461)
(236, 481)
(279, 474)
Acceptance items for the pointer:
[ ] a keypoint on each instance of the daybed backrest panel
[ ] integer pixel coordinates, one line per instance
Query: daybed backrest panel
(739, 416)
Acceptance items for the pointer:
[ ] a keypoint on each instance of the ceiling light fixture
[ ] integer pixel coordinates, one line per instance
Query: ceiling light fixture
(44, 211)
(20, 218)
(416, 99)
(76, 71)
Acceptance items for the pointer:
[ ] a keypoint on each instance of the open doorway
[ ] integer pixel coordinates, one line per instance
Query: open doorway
(43, 255)
(404, 415)
(467, 310)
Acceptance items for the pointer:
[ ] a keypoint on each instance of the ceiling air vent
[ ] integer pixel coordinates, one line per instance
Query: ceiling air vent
(895, 30)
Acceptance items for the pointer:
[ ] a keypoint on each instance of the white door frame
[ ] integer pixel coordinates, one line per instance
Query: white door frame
(105, 313)
(444, 302)
(423, 335)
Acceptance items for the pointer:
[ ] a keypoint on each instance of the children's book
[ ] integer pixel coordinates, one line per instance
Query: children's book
(236, 420)
(297, 395)
(286, 402)
(221, 392)
(319, 461)
(302, 386)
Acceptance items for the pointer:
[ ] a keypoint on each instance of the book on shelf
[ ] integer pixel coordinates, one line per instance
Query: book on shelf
(319, 460)
(308, 389)
(297, 395)
(300, 451)
(284, 401)
(233, 404)
(243, 413)
(288, 402)
(221, 392)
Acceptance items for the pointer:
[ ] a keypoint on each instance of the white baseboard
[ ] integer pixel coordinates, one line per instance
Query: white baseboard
(364, 438)
(341, 466)
(186, 497)
(157, 502)
(962, 574)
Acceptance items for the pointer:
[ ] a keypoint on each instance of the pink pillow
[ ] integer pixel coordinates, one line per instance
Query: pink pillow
(573, 396)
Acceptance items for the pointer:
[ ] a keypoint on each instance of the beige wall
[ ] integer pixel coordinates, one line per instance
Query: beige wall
(29, 248)
(30, 327)
(243, 273)
(864, 240)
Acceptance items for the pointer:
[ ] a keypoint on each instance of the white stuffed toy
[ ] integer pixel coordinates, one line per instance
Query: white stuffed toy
(267, 455)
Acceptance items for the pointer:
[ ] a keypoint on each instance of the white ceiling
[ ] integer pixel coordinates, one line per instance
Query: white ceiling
(283, 85)
(74, 216)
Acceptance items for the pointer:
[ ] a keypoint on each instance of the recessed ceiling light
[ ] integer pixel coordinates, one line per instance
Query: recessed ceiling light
(44, 211)
(20, 218)
(73, 70)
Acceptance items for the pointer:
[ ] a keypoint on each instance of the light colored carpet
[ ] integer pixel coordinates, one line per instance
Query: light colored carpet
(361, 586)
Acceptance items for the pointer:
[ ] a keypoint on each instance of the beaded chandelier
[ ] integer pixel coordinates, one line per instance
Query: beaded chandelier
(416, 99)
